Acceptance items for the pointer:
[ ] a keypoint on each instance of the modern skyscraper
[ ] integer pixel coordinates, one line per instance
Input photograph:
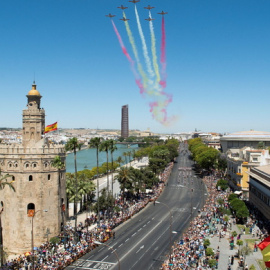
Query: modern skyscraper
(124, 122)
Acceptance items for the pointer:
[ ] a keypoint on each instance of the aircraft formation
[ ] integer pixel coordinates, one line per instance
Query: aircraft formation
(134, 2)
(150, 74)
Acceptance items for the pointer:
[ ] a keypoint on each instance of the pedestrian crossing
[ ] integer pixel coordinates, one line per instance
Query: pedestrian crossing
(91, 265)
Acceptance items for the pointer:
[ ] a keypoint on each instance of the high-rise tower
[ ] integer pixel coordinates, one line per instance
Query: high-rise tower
(40, 187)
(124, 122)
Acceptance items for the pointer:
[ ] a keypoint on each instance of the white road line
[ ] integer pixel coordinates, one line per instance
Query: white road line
(139, 229)
(101, 249)
(134, 234)
(105, 258)
(135, 245)
(121, 245)
(127, 240)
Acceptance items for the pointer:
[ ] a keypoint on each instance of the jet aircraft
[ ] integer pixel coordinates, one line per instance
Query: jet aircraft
(134, 1)
(124, 19)
(110, 15)
(122, 7)
(149, 19)
(163, 13)
(149, 7)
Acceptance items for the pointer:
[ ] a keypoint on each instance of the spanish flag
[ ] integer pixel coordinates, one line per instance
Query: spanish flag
(51, 127)
(264, 246)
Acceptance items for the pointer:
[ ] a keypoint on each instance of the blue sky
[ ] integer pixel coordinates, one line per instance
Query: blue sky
(218, 63)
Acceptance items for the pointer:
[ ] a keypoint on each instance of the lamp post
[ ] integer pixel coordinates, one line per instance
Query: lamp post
(1, 234)
(32, 215)
(115, 253)
(170, 229)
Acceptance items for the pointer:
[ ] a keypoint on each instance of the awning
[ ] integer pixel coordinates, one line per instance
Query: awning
(238, 192)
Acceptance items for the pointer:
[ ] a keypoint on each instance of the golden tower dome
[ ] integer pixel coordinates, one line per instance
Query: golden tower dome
(33, 91)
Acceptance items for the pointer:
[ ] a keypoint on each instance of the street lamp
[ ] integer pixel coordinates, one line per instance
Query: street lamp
(170, 229)
(1, 234)
(115, 253)
(32, 215)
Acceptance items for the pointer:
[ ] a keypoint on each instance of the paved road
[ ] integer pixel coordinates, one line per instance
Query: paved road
(145, 240)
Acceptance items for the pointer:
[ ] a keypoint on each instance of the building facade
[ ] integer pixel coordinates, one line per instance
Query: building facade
(259, 186)
(35, 212)
(124, 122)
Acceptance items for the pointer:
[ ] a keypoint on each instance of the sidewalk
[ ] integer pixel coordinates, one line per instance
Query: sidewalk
(225, 251)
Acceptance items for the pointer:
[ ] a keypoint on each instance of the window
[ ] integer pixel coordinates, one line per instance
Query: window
(30, 210)
(13, 178)
(30, 178)
(49, 177)
(34, 165)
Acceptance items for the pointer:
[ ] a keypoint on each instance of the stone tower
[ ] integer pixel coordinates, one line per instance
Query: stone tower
(40, 187)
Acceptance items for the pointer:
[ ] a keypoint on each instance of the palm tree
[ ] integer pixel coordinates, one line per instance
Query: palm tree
(73, 145)
(125, 155)
(124, 178)
(70, 189)
(113, 147)
(120, 160)
(105, 146)
(4, 182)
(95, 143)
(59, 165)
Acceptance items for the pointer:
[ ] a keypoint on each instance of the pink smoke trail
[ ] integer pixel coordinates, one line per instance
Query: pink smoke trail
(131, 62)
(163, 82)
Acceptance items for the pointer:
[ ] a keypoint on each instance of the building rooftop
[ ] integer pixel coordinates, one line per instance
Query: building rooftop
(248, 135)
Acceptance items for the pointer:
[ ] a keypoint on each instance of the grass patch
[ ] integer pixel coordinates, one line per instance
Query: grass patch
(243, 227)
(251, 242)
(261, 264)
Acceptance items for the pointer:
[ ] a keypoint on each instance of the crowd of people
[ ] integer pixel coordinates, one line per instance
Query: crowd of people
(190, 251)
(76, 243)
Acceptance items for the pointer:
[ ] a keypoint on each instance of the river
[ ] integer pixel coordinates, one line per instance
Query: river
(86, 158)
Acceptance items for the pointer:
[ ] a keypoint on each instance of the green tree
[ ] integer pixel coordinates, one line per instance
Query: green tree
(59, 165)
(113, 148)
(105, 146)
(4, 181)
(125, 179)
(207, 159)
(96, 143)
(222, 184)
(73, 145)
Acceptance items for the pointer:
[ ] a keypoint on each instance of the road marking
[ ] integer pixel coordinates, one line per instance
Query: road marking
(134, 234)
(135, 245)
(105, 258)
(139, 229)
(100, 249)
(121, 245)
(144, 225)
(127, 240)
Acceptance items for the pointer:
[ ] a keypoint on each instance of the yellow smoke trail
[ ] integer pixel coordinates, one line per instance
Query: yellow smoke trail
(154, 51)
(135, 52)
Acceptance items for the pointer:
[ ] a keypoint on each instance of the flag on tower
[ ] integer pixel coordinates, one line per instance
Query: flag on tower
(51, 127)
(264, 246)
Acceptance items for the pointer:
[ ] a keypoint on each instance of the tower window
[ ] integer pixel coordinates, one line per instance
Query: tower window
(30, 178)
(35, 165)
(13, 178)
(27, 165)
(49, 177)
(30, 210)
(10, 165)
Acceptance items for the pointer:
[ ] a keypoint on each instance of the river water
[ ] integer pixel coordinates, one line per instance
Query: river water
(86, 159)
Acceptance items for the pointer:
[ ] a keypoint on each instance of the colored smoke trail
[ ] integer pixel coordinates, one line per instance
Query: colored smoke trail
(163, 55)
(137, 79)
(144, 46)
(135, 52)
(154, 51)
